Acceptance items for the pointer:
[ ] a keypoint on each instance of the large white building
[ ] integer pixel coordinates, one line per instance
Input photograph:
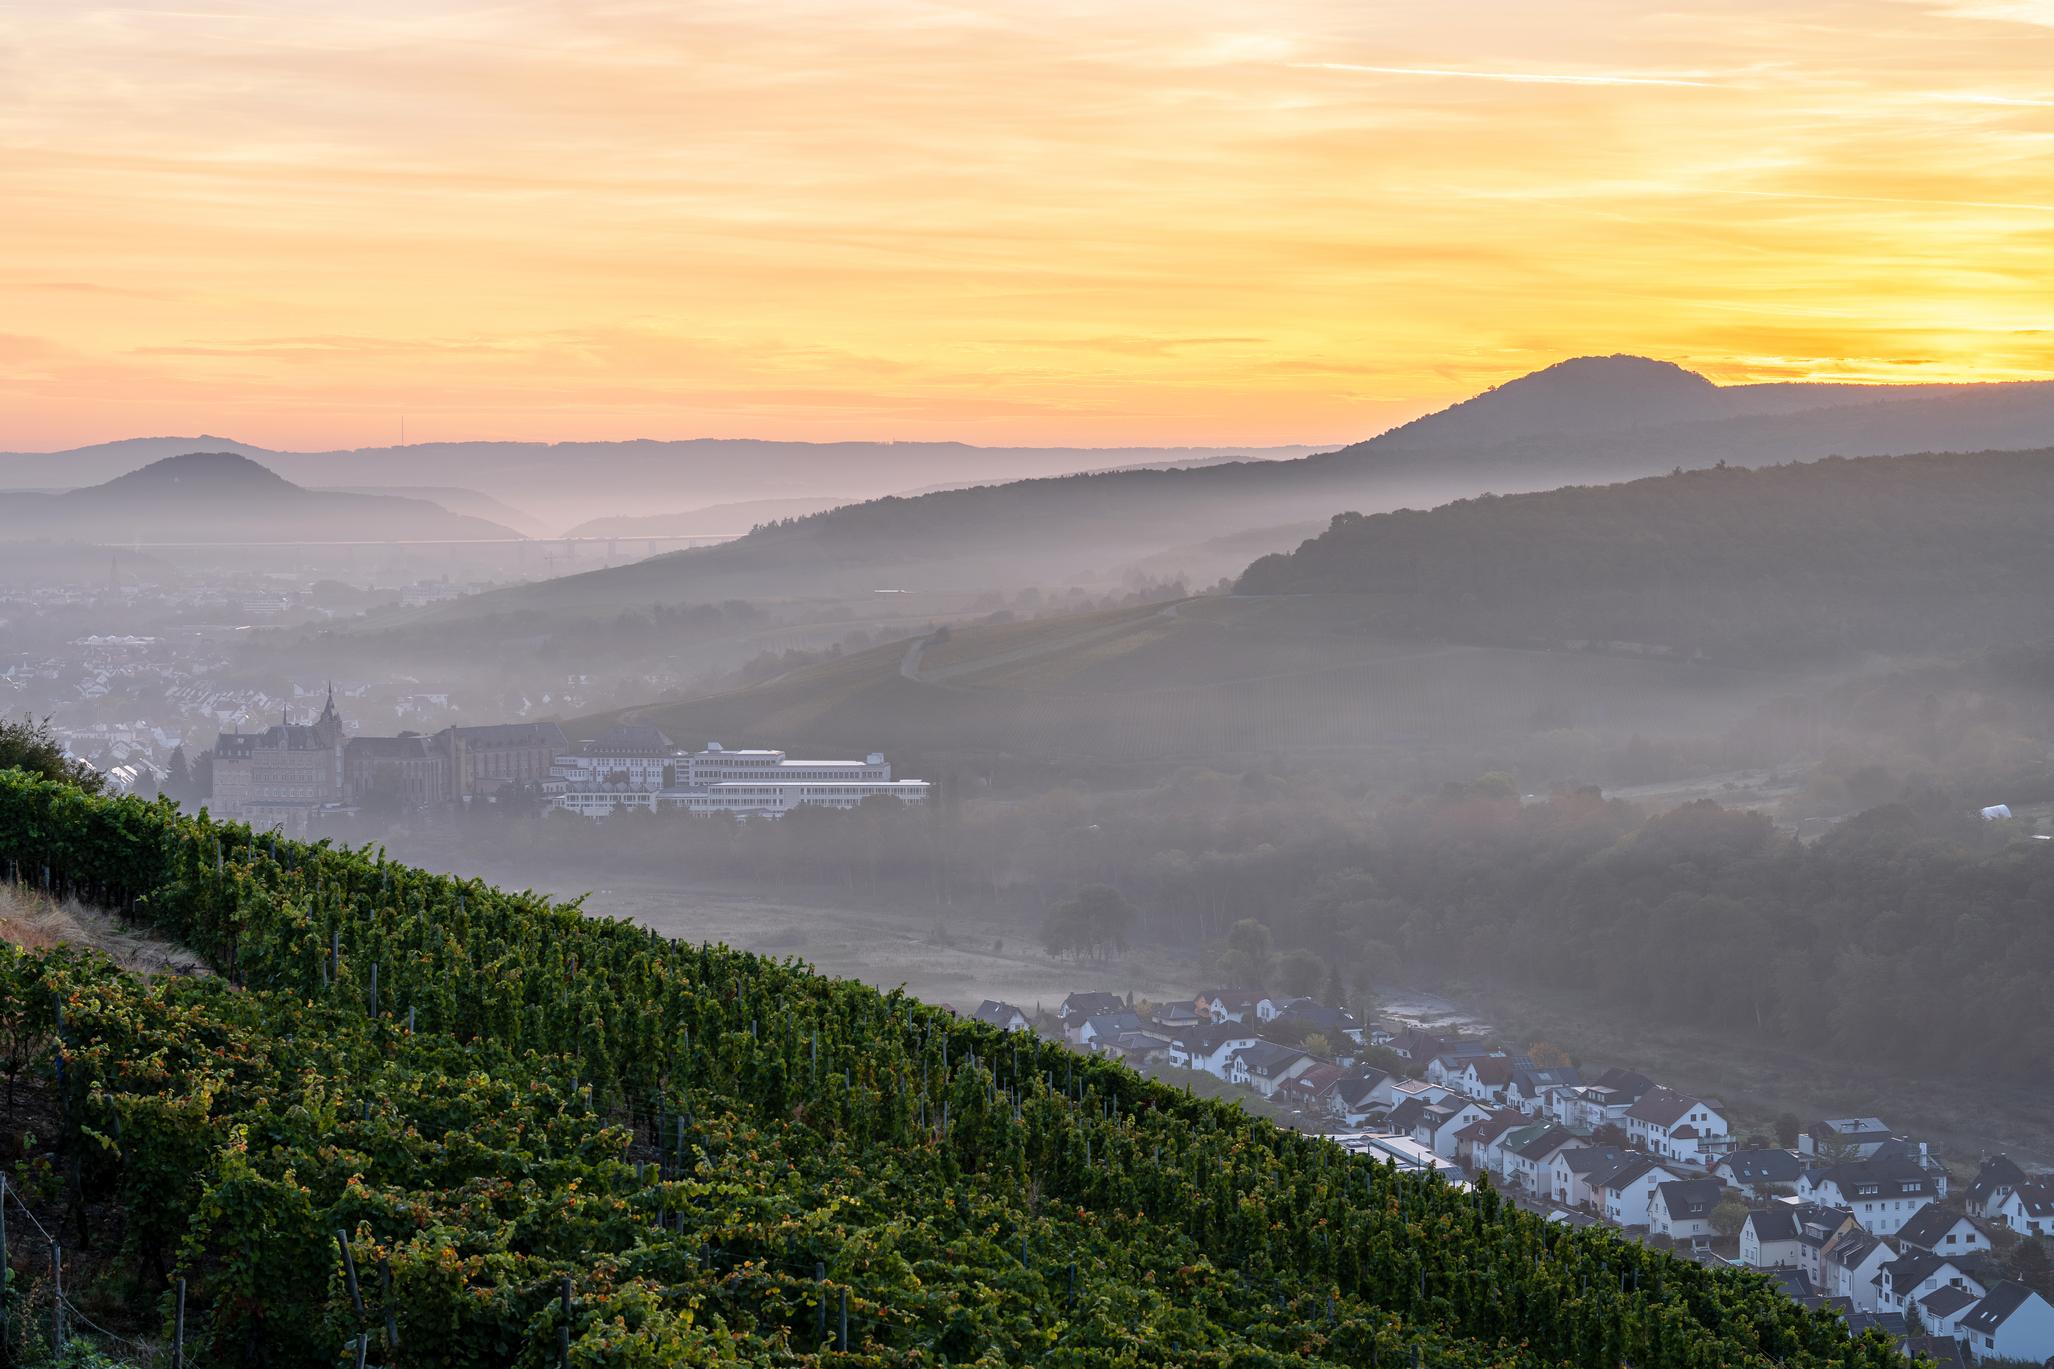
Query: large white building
(637, 767)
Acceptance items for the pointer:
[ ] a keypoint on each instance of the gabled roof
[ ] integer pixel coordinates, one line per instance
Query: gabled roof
(1490, 1069)
(1551, 1139)
(2037, 1194)
(1113, 1023)
(1407, 1114)
(1996, 1307)
(1897, 1178)
(1854, 1247)
(1316, 1080)
(1631, 1169)
(1662, 1107)
(1946, 1300)
(1091, 1004)
(1911, 1268)
(1356, 1087)
(1943, 1351)
(996, 1013)
(1690, 1197)
(1205, 1038)
(1267, 1057)
(1997, 1172)
(1928, 1225)
(1777, 1222)
(1591, 1160)
(1531, 1081)
(1762, 1166)
(1794, 1283)
(1629, 1082)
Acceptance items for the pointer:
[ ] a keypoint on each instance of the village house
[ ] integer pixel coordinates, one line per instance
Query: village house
(1843, 1138)
(1437, 1126)
(1476, 1143)
(1530, 1088)
(1308, 1090)
(1882, 1194)
(1773, 1237)
(1306, 1017)
(1177, 1016)
(1676, 1126)
(1103, 1029)
(2010, 1323)
(1229, 1005)
(1849, 1265)
(1936, 1230)
(1759, 1172)
(1265, 1065)
(1991, 1190)
(1623, 1195)
(1484, 1079)
(1072, 1011)
(1527, 1162)
(1209, 1049)
(1357, 1097)
(1915, 1273)
(1941, 1310)
(2028, 1208)
(1682, 1210)
(1570, 1172)
(1004, 1016)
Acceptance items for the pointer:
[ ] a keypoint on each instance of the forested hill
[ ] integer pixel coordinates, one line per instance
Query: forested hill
(1898, 554)
(471, 1128)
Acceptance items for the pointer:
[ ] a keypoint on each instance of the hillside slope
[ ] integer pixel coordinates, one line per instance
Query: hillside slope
(221, 497)
(1930, 553)
(585, 1143)
(1588, 420)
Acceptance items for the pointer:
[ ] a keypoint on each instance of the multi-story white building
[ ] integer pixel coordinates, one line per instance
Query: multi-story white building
(638, 767)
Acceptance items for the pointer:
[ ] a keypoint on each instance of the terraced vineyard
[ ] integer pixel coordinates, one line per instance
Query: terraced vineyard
(417, 1121)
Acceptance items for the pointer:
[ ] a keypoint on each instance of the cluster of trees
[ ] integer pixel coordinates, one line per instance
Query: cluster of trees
(1780, 564)
(539, 1138)
(1915, 933)
(29, 745)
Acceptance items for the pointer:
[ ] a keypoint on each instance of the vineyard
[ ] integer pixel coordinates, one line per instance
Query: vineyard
(413, 1120)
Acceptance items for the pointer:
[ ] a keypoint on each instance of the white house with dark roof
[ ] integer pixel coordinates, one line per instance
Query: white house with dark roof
(1849, 1264)
(1682, 1210)
(1676, 1126)
(1935, 1229)
(1843, 1138)
(1623, 1194)
(1265, 1066)
(1773, 1237)
(1104, 1029)
(2028, 1208)
(1441, 1122)
(1759, 1171)
(1209, 1049)
(1230, 1005)
(1531, 1088)
(1940, 1311)
(1484, 1079)
(1079, 1006)
(1004, 1016)
(1882, 1194)
(1359, 1096)
(2011, 1322)
(1570, 1172)
(1528, 1162)
(1987, 1196)
(1915, 1273)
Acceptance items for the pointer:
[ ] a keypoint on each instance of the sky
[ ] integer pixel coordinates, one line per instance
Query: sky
(1149, 222)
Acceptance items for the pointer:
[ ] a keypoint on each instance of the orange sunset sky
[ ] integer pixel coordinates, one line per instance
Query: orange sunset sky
(1046, 222)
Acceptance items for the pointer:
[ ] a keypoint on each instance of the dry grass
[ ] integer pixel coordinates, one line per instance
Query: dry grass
(33, 921)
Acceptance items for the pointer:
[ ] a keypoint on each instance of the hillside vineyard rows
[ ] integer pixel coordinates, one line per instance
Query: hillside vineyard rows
(413, 1120)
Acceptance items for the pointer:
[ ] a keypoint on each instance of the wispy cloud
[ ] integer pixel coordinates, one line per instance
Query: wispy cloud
(1517, 78)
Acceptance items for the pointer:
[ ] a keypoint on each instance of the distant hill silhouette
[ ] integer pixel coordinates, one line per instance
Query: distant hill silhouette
(1588, 420)
(565, 483)
(210, 497)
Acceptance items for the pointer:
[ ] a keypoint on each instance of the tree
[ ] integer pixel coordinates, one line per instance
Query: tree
(1096, 920)
(1730, 1215)
(1316, 1043)
(1335, 994)
(30, 745)
(2030, 1266)
(1247, 962)
(1787, 1128)
(1298, 972)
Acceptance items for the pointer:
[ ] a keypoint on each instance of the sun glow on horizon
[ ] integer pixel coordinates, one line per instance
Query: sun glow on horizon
(1001, 223)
